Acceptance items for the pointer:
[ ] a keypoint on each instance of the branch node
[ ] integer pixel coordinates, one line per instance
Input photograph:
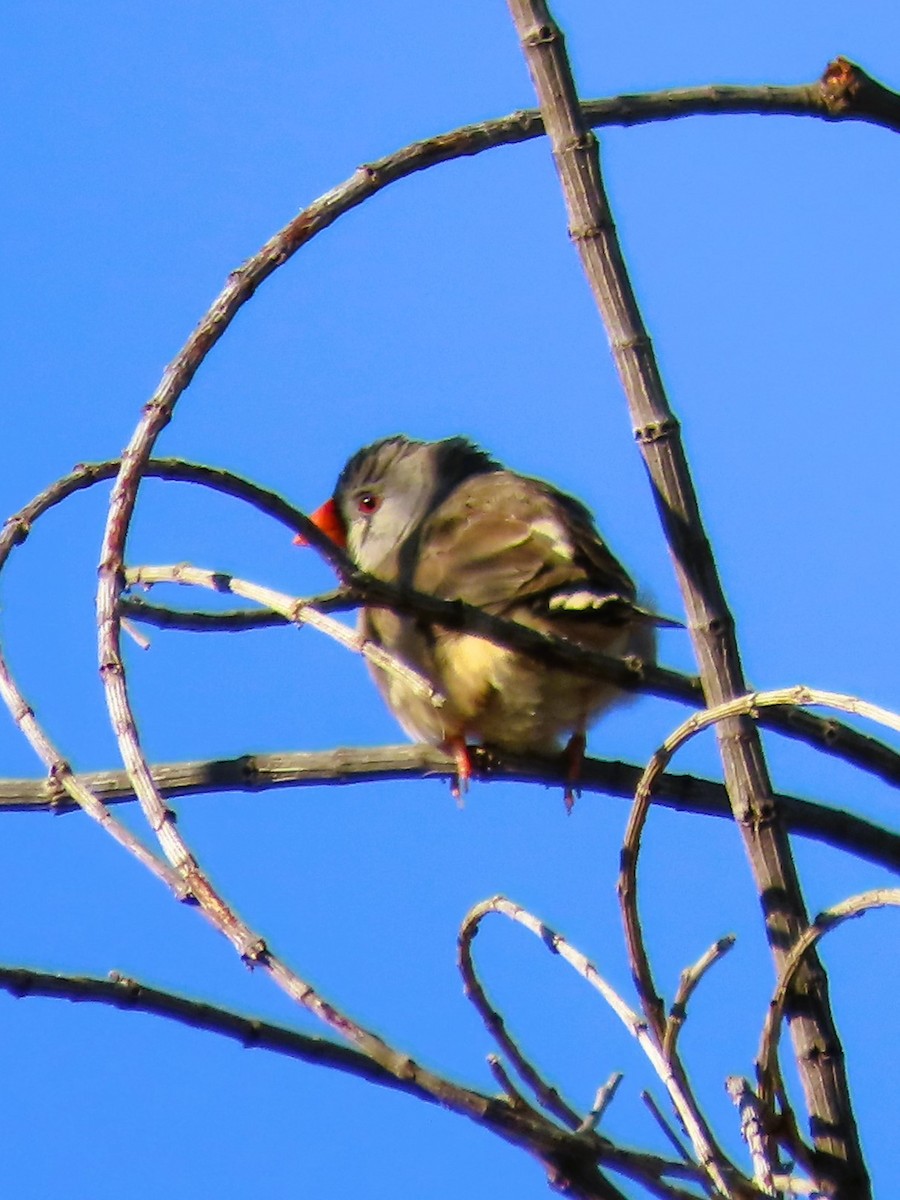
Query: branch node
(254, 952)
(540, 35)
(581, 233)
(656, 431)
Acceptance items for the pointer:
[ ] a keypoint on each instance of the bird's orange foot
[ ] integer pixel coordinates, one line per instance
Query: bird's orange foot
(460, 751)
(573, 758)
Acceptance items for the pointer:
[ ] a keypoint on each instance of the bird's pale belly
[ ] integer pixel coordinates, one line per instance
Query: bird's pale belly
(494, 695)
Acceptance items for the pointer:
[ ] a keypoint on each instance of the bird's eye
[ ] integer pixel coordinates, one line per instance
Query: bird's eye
(368, 503)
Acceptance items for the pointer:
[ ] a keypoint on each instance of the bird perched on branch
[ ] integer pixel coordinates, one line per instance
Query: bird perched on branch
(446, 519)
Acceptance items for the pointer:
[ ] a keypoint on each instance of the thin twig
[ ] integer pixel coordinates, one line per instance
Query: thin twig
(605, 1095)
(504, 1079)
(763, 1151)
(297, 611)
(62, 778)
(690, 978)
(237, 620)
(680, 1149)
(831, 918)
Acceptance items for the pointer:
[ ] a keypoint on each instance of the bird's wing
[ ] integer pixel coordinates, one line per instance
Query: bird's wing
(501, 540)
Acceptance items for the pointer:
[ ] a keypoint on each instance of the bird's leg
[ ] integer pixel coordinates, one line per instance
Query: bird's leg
(573, 758)
(460, 751)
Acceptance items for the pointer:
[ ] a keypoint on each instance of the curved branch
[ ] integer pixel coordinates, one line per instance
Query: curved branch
(722, 1174)
(831, 918)
(743, 705)
(17, 528)
(748, 706)
(827, 735)
(158, 412)
(183, 875)
(547, 1095)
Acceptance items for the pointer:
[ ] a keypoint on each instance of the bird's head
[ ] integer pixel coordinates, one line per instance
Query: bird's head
(386, 491)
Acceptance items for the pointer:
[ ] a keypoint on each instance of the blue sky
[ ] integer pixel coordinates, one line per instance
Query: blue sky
(150, 149)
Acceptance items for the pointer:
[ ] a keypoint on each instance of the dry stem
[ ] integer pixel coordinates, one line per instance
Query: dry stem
(710, 1157)
(711, 624)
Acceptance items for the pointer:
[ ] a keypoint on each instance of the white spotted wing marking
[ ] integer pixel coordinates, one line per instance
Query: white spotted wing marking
(547, 527)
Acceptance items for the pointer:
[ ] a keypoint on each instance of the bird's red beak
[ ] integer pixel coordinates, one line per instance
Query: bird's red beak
(327, 518)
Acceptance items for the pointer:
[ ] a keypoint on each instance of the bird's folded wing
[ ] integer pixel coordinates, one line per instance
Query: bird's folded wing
(500, 541)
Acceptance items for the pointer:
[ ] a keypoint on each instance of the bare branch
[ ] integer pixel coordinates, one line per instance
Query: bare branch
(763, 1152)
(128, 994)
(653, 1108)
(347, 765)
(742, 705)
(709, 1155)
(547, 1095)
(748, 706)
(516, 1123)
(690, 978)
(602, 1101)
(297, 611)
(236, 620)
(838, 100)
(831, 918)
(63, 778)
(710, 622)
(504, 1079)
(829, 736)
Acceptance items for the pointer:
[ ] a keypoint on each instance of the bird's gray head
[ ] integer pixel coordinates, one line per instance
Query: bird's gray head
(386, 490)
